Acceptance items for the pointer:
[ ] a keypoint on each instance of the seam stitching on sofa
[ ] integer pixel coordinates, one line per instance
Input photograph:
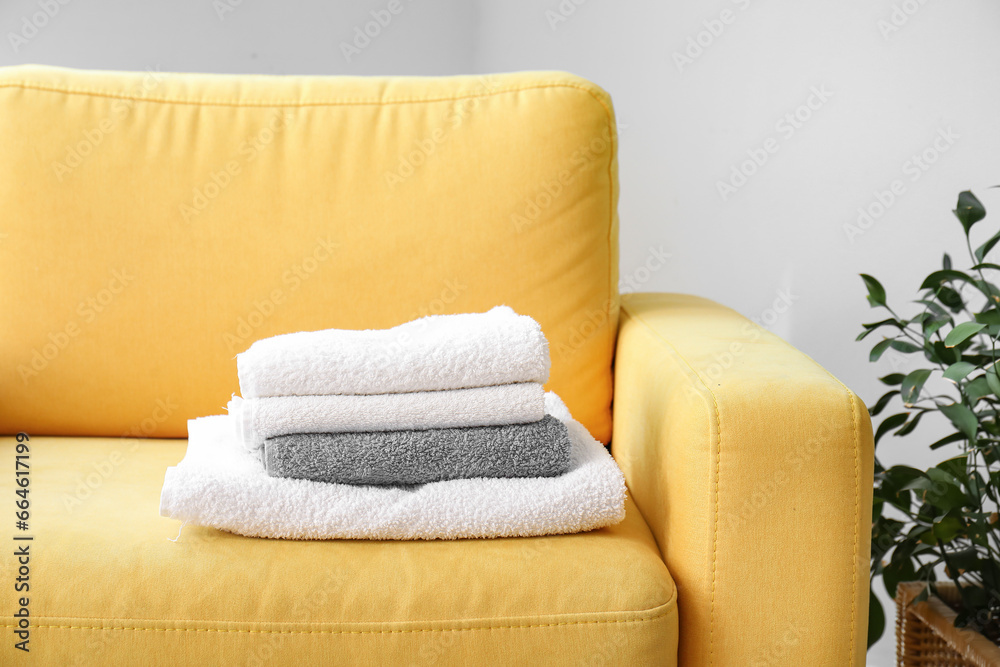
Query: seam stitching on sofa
(331, 632)
(658, 610)
(661, 613)
(852, 405)
(857, 518)
(30, 85)
(718, 460)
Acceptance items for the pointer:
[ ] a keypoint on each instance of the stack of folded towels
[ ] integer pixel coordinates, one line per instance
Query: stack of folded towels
(435, 399)
(436, 428)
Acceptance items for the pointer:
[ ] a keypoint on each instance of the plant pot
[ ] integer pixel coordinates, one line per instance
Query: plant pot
(926, 634)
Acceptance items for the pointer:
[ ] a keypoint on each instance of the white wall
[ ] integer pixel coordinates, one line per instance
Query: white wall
(781, 235)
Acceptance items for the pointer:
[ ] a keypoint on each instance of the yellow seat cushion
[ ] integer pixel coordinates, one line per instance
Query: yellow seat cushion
(156, 225)
(109, 587)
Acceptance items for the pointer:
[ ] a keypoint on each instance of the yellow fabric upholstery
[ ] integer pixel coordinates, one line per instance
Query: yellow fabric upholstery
(109, 588)
(753, 468)
(156, 225)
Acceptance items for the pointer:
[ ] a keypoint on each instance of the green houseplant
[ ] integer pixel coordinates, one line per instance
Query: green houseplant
(941, 523)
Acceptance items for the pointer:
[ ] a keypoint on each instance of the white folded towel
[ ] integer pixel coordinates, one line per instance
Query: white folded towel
(256, 419)
(221, 485)
(431, 353)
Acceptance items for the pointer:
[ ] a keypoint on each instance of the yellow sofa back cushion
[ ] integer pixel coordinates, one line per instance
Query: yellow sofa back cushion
(155, 225)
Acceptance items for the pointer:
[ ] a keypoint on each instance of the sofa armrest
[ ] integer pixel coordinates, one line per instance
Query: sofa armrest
(752, 466)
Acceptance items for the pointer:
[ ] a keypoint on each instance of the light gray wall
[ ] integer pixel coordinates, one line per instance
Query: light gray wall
(781, 236)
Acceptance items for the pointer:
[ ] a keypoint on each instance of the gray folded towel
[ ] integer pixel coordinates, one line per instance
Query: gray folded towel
(536, 449)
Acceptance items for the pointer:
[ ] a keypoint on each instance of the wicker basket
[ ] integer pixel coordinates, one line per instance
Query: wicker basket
(926, 634)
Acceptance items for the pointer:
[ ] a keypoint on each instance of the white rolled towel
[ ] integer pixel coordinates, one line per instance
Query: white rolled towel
(221, 485)
(431, 353)
(256, 419)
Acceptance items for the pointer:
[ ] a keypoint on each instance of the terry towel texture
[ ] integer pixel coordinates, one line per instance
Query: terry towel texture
(539, 449)
(432, 353)
(220, 484)
(257, 419)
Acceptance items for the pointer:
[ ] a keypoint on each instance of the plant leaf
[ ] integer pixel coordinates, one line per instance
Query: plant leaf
(903, 346)
(932, 324)
(881, 403)
(969, 210)
(876, 619)
(892, 379)
(989, 318)
(948, 528)
(944, 494)
(902, 474)
(964, 559)
(963, 418)
(879, 350)
(895, 572)
(947, 440)
(938, 278)
(912, 424)
(933, 307)
(962, 332)
(959, 370)
(992, 381)
(950, 298)
(890, 423)
(986, 265)
(982, 250)
(976, 389)
(876, 293)
(874, 326)
(912, 384)
(943, 354)
(957, 467)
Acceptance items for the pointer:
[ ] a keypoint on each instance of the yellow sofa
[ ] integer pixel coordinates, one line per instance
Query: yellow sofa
(153, 225)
